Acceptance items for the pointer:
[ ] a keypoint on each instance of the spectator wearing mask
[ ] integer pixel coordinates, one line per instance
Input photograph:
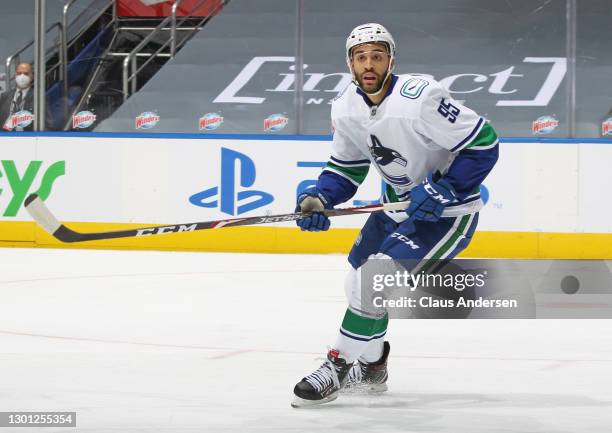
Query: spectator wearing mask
(17, 106)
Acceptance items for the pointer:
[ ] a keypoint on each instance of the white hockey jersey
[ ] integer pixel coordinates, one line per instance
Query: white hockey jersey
(417, 129)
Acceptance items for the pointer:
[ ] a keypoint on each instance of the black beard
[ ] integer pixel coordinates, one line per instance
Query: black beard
(381, 82)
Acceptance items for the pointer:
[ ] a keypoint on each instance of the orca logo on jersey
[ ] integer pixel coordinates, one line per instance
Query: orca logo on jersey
(383, 155)
(390, 162)
(227, 192)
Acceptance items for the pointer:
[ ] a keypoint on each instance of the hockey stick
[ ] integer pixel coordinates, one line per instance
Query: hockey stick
(43, 216)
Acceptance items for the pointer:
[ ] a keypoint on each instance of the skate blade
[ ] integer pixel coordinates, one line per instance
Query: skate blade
(300, 402)
(374, 388)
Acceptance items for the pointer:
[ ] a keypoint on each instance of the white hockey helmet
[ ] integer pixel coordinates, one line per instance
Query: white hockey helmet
(369, 33)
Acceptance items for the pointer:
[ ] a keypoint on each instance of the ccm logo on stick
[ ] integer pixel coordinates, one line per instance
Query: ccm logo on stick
(164, 230)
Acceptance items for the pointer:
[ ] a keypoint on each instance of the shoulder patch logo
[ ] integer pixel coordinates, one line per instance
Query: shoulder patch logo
(414, 87)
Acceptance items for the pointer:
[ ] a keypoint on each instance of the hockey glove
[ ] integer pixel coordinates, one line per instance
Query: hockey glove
(312, 200)
(428, 200)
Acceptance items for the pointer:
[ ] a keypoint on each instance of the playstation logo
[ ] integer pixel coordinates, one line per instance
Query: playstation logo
(229, 195)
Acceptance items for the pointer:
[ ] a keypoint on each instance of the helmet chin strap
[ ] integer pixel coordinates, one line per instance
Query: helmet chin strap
(382, 86)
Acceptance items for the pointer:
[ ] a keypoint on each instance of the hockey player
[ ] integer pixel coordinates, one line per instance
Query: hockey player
(430, 150)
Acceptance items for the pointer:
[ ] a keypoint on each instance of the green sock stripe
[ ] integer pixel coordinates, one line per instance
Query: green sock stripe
(359, 325)
(485, 137)
(358, 174)
(381, 325)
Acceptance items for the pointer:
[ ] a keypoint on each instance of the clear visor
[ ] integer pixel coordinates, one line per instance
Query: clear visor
(374, 56)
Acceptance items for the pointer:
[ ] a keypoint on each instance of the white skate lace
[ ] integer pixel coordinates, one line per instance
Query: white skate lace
(323, 377)
(355, 374)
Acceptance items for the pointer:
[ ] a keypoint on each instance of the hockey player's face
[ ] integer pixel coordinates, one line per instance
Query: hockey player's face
(370, 64)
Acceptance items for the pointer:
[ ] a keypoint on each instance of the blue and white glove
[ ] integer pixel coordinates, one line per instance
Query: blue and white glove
(313, 200)
(429, 199)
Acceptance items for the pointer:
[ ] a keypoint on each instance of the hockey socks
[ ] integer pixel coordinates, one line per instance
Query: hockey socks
(361, 336)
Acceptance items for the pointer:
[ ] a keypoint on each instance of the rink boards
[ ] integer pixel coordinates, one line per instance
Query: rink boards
(545, 198)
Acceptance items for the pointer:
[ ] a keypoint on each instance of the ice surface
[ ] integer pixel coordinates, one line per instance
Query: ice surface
(199, 342)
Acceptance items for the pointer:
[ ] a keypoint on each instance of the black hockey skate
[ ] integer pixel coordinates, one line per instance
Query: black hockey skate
(323, 384)
(369, 377)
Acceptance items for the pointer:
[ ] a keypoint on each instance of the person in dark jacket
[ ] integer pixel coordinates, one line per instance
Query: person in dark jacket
(17, 105)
